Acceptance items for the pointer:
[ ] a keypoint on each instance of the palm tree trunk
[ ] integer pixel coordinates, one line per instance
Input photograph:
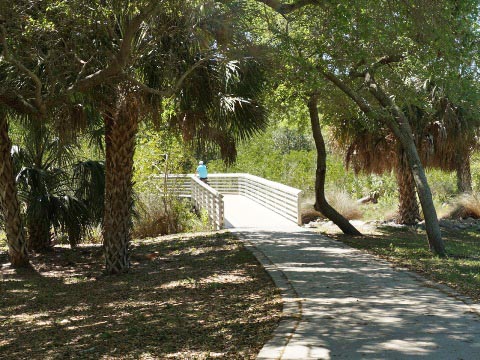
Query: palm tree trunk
(408, 209)
(464, 175)
(121, 129)
(39, 237)
(17, 249)
(321, 203)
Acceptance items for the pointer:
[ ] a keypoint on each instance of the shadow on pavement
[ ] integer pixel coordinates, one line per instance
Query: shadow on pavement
(355, 306)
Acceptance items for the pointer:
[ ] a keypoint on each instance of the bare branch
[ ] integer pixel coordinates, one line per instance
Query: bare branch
(172, 90)
(360, 101)
(38, 83)
(385, 60)
(285, 9)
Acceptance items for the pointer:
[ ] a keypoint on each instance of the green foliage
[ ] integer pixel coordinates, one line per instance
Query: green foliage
(286, 140)
(150, 156)
(443, 184)
(55, 190)
(264, 157)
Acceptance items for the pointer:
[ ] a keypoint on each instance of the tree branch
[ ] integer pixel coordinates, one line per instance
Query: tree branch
(18, 103)
(360, 101)
(172, 90)
(385, 60)
(120, 60)
(38, 83)
(285, 9)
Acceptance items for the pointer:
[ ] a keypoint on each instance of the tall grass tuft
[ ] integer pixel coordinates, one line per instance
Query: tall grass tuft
(339, 200)
(156, 215)
(344, 204)
(465, 206)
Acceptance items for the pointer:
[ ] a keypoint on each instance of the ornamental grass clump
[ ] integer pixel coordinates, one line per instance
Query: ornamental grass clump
(340, 201)
(344, 204)
(156, 215)
(466, 206)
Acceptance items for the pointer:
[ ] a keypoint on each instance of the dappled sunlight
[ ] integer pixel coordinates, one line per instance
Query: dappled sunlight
(354, 304)
(212, 298)
(328, 250)
(235, 277)
(308, 269)
(405, 346)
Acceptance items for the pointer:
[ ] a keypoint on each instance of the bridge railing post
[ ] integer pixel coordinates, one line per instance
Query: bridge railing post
(206, 197)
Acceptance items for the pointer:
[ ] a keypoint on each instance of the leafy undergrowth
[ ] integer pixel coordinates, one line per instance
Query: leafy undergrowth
(185, 298)
(408, 247)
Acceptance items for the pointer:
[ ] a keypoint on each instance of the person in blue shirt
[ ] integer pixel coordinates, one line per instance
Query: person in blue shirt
(202, 172)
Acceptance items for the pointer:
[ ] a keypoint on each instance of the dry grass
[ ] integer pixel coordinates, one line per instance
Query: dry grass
(158, 216)
(185, 298)
(344, 204)
(310, 214)
(339, 200)
(465, 206)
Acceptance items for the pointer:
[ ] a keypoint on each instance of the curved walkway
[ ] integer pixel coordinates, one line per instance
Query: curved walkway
(344, 304)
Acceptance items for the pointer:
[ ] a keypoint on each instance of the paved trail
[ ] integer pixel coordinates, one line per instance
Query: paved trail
(352, 306)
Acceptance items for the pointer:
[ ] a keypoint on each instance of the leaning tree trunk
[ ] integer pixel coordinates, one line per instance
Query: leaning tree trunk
(321, 203)
(464, 176)
(401, 128)
(17, 249)
(121, 129)
(408, 206)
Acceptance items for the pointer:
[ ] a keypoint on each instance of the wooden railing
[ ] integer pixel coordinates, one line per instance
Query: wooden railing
(279, 198)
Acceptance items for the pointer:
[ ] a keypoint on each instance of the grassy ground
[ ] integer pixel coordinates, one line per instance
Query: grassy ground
(408, 247)
(191, 298)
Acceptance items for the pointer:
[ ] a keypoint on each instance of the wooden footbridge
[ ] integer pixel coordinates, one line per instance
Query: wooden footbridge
(237, 200)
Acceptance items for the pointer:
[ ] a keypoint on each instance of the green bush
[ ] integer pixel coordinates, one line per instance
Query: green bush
(442, 184)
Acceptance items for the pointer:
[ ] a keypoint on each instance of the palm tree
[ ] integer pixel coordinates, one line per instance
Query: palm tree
(213, 104)
(449, 136)
(445, 138)
(121, 126)
(56, 192)
(9, 204)
(378, 152)
(219, 106)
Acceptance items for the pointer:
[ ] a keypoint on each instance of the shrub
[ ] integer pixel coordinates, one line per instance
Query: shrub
(156, 215)
(310, 214)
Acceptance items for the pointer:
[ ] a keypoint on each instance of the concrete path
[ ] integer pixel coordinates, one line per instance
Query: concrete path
(345, 304)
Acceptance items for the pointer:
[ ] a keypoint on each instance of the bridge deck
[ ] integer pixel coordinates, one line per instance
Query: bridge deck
(243, 213)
